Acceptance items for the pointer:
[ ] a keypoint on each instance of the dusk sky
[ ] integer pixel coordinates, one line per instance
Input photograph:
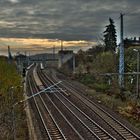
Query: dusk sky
(69, 20)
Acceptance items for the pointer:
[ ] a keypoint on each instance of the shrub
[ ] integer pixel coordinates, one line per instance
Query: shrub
(101, 87)
(9, 77)
(87, 79)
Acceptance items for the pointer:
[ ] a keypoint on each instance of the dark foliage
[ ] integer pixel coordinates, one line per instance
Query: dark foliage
(110, 36)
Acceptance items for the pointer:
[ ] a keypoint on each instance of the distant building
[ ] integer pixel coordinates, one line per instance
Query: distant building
(65, 52)
(66, 56)
(20, 57)
(21, 61)
(132, 42)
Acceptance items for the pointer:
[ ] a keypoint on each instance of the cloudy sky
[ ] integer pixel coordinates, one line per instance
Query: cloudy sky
(69, 20)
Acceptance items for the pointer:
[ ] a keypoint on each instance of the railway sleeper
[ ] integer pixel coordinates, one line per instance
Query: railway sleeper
(101, 134)
(54, 130)
(130, 137)
(122, 130)
(125, 133)
(133, 139)
(105, 138)
(58, 137)
(98, 131)
(54, 133)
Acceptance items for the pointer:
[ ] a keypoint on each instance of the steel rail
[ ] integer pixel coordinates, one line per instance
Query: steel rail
(39, 112)
(120, 131)
(108, 114)
(83, 114)
(100, 109)
(63, 114)
(50, 115)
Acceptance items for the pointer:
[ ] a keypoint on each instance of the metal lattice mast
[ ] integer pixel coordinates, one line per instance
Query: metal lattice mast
(61, 52)
(9, 53)
(61, 45)
(121, 49)
(53, 52)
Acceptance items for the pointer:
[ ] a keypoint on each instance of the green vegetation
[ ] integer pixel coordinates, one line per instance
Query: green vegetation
(129, 108)
(101, 87)
(91, 70)
(87, 79)
(10, 78)
(110, 36)
(95, 63)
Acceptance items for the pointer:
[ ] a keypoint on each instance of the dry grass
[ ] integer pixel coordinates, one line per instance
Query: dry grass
(129, 108)
(9, 77)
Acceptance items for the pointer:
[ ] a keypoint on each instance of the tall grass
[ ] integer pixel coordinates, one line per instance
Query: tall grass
(9, 77)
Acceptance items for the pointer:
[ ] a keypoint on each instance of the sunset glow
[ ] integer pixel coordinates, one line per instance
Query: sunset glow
(15, 43)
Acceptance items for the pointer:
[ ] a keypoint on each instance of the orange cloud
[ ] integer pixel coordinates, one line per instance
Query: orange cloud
(27, 43)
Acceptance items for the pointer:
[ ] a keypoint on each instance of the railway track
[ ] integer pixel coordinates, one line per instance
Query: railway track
(122, 132)
(37, 112)
(52, 127)
(48, 126)
(120, 128)
(89, 128)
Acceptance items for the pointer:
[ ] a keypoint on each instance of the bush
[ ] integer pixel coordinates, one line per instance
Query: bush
(8, 78)
(87, 79)
(101, 87)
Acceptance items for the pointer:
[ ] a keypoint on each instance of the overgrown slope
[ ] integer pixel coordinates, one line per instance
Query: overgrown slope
(10, 83)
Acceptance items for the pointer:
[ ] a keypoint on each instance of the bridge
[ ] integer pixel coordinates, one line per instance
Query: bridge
(48, 59)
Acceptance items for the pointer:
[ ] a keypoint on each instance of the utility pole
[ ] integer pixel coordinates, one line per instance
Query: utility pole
(61, 53)
(73, 63)
(54, 52)
(29, 59)
(121, 49)
(9, 55)
(138, 69)
(61, 45)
